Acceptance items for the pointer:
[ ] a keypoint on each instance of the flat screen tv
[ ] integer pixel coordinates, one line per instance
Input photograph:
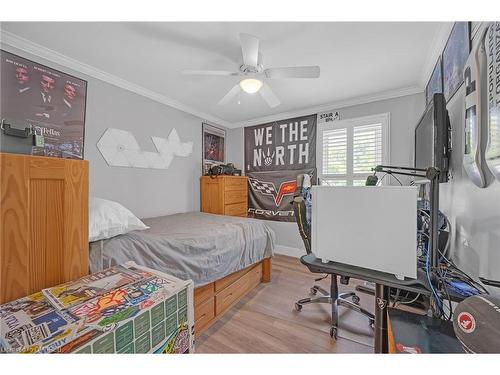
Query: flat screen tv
(432, 138)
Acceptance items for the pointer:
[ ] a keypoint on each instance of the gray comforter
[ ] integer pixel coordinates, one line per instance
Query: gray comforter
(197, 246)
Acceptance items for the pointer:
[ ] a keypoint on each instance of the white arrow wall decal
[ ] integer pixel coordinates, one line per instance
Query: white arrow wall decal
(120, 149)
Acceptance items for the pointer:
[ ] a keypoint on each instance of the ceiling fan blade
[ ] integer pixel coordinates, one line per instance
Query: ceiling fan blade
(249, 49)
(293, 72)
(269, 96)
(231, 94)
(209, 72)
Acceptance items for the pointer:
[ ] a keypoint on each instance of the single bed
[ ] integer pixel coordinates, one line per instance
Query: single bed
(225, 256)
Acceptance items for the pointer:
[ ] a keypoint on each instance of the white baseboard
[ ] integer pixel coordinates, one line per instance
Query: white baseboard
(290, 251)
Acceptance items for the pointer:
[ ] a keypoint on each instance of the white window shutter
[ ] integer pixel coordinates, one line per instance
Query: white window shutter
(367, 148)
(334, 152)
(350, 149)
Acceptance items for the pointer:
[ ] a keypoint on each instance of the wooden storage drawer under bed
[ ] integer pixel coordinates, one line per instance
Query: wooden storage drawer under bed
(203, 293)
(227, 297)
(214, 299)
(204, 314)
(229, 279)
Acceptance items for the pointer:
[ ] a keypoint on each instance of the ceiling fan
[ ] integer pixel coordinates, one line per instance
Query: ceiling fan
(253, 74)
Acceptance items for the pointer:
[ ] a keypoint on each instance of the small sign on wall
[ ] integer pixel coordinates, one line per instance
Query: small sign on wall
(328, 116)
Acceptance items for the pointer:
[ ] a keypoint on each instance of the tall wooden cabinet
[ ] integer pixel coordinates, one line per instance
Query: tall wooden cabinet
(224, 195)
(43, 223)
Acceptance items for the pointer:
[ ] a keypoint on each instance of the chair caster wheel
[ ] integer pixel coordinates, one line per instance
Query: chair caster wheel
(313, 291)
(355, 299)
(333, 333)
(298, 306)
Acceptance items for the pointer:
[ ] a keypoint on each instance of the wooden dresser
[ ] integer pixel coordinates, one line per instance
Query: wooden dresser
(44, 223)
(224, 195)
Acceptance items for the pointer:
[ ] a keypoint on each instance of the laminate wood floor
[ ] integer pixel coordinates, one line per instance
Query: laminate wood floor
(265, 321)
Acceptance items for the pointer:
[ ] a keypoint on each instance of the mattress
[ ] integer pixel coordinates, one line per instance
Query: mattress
(198, 246)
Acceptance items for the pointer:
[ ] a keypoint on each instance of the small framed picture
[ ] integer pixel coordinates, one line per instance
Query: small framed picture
(435, 84)
(455, 55)
(214, 146)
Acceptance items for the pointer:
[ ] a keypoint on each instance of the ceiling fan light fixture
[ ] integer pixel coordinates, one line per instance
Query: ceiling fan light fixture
(251, 85)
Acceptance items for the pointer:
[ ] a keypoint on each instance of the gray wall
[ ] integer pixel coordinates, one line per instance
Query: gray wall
(146, 192)
(405, 112)
(474, 213)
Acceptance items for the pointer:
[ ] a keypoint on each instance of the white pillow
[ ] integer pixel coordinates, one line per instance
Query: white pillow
(108, 219)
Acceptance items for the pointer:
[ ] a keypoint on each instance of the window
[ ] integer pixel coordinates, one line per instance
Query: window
(349, 149)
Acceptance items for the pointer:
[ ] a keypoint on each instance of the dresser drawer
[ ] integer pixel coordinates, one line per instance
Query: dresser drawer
(203, 315)
(203, 293)
(236, 209)
(235, 183)
(235, 196)
(229, 295)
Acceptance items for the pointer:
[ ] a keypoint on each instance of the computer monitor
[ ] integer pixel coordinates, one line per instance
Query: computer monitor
(432, 138)
(373, 227)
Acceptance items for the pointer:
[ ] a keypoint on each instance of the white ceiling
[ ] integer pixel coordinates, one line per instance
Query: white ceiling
(356, 59)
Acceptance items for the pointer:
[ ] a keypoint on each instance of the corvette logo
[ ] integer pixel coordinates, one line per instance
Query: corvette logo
(268, 188)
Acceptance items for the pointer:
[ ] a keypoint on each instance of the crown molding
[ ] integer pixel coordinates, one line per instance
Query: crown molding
(20, 43)
(13, 40)
(332, 105)
(437, 47)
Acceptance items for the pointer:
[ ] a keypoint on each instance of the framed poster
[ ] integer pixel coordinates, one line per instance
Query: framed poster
(214, 146)
(435, 84)
(455, 55)
(49, 101)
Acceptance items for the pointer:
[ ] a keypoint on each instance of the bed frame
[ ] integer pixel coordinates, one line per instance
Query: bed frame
(211, 301)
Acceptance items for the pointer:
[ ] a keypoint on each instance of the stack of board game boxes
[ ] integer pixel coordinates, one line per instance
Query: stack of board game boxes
(123, 309)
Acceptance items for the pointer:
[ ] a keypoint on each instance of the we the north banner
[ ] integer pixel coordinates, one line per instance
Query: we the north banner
(275, 153)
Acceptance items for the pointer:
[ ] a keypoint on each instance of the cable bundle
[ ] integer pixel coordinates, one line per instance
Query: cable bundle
(446, 277)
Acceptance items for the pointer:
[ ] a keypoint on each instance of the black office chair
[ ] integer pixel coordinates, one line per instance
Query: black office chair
(301, 205)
